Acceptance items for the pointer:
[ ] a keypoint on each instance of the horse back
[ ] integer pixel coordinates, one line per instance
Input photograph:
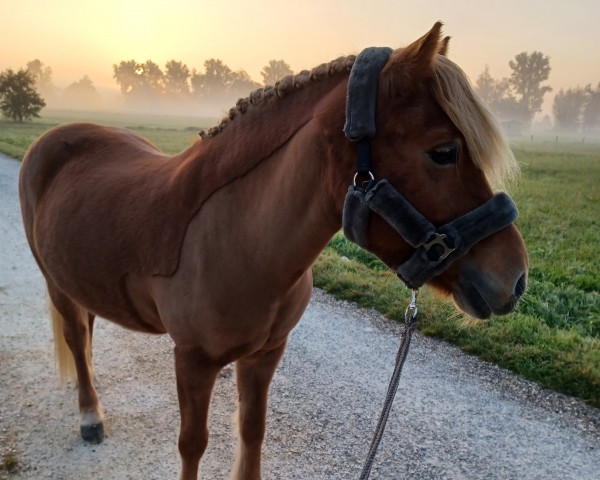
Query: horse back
(96, 203)
(86, 145)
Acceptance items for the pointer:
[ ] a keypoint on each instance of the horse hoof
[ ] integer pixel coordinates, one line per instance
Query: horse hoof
(93, 433)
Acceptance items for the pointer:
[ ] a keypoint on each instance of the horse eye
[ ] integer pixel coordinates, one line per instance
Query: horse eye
(444, 154)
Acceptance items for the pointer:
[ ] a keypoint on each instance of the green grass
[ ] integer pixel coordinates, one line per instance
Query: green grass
(172, 134)
(16, 137)
(559, 201)
(554, 336)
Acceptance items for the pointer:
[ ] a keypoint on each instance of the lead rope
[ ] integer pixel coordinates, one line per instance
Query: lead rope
(410, 320)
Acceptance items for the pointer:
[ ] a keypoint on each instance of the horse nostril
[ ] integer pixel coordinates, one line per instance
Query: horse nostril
(521, 286)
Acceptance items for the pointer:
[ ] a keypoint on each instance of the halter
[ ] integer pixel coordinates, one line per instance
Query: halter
(436, 248)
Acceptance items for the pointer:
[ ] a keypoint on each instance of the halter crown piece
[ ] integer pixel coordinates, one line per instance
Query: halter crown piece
(436, 248)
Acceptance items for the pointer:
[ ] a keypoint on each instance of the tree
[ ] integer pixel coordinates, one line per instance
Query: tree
(591, 110)
(42, 77)
(18, 98)
(577, 108)
(528, 73)
(485, 86)
(497, 95)
(275, 70)
(81, 94)
(139, 81)
(521, 96)
(568, 108)
(214, 82)
(219, 86)
(154, 78)
(242, 84)
(176, 78)
(127, 76)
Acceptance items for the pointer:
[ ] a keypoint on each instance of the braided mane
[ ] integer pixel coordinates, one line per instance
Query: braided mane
(450, 85)
(282, 88)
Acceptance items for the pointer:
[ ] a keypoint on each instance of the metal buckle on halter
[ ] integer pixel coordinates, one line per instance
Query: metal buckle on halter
(366, 183)
(439, 240)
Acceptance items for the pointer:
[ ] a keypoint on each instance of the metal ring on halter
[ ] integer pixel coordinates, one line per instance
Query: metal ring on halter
(359, 173)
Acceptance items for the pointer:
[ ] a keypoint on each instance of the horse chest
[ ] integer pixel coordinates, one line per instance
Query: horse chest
(234, 321)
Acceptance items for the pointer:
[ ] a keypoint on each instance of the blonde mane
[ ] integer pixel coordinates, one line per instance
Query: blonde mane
(485, 139)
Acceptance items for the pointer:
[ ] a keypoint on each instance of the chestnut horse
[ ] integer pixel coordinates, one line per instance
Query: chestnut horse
(214, 246)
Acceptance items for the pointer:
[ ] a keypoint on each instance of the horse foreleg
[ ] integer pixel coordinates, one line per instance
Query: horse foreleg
(196, 376)
(253, 375)
(72, 325)
(91, 320)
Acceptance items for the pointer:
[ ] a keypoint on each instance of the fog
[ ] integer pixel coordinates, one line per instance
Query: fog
(84, 97)
(107, 100)
(77, 38)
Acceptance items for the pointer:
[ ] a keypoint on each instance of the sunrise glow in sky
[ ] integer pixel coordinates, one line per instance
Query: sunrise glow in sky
(81, 37)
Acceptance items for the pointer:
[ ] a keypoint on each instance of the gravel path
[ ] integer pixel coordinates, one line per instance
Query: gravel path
(455, 417)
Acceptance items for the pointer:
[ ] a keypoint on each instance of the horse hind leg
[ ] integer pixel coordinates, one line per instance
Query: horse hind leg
(72, 326)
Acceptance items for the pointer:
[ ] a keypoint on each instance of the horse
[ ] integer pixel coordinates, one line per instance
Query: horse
(214, 246)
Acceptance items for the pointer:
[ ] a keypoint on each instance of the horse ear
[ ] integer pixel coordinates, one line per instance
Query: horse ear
(444, 47)
(411, 65)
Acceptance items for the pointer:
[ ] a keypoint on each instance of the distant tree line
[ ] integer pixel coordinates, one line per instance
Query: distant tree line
(516, 98)
(79, 92)
(217, 83)
(24, 93)
(520, 96)
(577, 109)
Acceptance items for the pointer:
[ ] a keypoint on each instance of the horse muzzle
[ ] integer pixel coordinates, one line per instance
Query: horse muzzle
(480, 296)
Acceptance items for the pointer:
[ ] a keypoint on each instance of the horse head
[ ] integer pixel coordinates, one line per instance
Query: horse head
(442, 155)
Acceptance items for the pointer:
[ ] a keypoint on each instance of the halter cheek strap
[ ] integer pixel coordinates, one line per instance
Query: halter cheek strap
(361, 104)
(436, 247)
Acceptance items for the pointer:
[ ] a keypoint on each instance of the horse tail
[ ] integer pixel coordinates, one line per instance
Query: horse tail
(65, 362)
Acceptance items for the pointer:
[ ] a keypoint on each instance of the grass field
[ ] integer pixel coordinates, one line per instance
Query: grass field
(172, 134)
(554, 336)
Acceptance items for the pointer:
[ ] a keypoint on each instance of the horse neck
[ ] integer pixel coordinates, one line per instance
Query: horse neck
(295, 208)
(283, 210)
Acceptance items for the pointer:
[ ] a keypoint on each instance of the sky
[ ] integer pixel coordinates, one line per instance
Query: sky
(82, 37)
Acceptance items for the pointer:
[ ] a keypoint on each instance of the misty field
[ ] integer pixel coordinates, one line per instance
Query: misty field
(171, 133)
(554, 336)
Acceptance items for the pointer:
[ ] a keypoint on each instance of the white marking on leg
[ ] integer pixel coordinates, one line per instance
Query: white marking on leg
(89, 419)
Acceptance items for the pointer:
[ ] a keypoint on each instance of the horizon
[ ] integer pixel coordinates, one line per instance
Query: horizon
(77, 39)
